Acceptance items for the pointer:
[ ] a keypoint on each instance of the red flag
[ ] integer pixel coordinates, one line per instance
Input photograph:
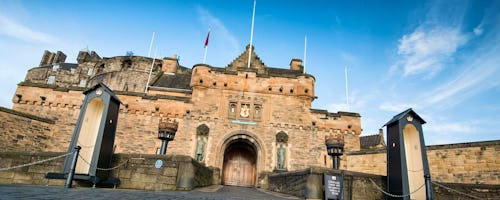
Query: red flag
(206, 41)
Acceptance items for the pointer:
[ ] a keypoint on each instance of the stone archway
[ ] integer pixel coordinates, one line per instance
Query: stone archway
(240, 153)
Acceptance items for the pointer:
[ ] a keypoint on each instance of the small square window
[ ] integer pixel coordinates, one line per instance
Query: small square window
(52, 79)
(83, 83)
(91, 70)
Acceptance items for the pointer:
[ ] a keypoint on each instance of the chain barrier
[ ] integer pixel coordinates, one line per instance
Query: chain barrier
(36, 162)
(395, 195)
(105, 169)
(453, 190)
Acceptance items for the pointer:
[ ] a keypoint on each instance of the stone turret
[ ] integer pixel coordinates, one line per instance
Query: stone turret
(50, 58)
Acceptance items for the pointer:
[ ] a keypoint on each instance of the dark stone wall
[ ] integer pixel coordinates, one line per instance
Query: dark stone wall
(33, 175)
(177, 172)
(23, 132)
(135, 171)
(308, 183)
(469, 191)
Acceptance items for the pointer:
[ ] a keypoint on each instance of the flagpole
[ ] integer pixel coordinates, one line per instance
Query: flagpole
(205, 55)
(346, 90)
(305, 54)
(150, 71)
(251, 34)
(206, 46)
(151, 44)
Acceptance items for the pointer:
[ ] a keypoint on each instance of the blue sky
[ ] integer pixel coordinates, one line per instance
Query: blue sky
(441, 58)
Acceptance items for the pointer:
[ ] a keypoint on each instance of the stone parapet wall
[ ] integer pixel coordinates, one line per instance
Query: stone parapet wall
(24, 132)
(177, 172)
(135, 171)
(34, 174)
(471, 163)
(466, 191)
(373, 161)
(308, 183)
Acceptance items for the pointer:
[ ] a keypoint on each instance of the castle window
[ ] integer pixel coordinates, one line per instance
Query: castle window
(83, 83)
(291, 91)
(281, 89)
(91, 70)
(100, 68)
(201, 80)
(232, 110)
(306, 91)
(52, 79)
(270, 88)
(55, 67)
(127, 64)
(257, 111)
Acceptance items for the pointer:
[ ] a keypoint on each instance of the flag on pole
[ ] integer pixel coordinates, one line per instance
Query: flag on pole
(206, 46)
(206, 40)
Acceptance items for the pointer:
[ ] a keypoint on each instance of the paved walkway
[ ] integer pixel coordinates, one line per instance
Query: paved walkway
(59, 192)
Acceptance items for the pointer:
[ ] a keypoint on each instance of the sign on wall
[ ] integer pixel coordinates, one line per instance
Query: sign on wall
(334, 186)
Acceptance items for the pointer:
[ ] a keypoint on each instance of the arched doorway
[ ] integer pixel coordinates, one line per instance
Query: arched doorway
(240, 161)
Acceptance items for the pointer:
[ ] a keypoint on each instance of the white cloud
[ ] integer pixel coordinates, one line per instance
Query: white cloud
(426, 49)
(393, 107)
(478, 30)
(11, 28)
(481, 72)
(219, 30)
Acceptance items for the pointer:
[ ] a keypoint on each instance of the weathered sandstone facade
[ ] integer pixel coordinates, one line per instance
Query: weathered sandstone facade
(224, 115)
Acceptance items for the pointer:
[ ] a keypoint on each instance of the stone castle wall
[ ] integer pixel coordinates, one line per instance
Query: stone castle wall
(24, 132)
(140, 114)
(473, 163)
(135, 171)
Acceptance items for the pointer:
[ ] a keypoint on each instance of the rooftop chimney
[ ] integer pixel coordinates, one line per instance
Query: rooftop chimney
(296, 64)
(170, 65)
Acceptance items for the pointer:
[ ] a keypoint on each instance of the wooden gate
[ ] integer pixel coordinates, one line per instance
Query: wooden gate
(239, 167)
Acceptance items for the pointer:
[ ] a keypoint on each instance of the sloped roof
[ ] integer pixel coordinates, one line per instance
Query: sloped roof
(403, 114)
(242, 60)
(371, 141)
(105, 88)
(180, 80)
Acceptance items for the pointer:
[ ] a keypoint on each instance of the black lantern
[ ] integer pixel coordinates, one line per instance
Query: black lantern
(166, 133)
(335, 148)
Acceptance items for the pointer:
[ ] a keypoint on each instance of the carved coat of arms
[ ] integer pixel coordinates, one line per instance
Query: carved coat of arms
(245, 111)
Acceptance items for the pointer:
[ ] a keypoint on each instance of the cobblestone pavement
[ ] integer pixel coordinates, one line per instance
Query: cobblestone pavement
(59, 192)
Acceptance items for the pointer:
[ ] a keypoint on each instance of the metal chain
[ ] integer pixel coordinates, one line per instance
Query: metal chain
(395, 195)
(453, 190)
(34, 163)
(104, 169)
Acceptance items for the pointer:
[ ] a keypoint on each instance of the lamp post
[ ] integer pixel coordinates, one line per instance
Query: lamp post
(335, 148)
(166, 133)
